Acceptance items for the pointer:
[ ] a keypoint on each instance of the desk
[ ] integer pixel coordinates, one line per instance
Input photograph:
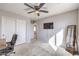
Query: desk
(2, 43)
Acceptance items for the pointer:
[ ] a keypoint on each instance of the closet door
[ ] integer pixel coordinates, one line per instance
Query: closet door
(7, 27)
(21, 31)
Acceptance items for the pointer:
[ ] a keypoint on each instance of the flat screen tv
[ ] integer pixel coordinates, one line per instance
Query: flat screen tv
(48, 25)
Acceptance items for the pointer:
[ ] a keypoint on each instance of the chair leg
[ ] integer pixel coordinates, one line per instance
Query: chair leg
(8, 54)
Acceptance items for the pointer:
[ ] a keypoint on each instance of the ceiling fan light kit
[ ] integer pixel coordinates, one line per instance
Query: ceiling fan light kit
(36, 12)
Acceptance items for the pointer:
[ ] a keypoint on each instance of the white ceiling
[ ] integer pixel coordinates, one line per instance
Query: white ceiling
(52, 8)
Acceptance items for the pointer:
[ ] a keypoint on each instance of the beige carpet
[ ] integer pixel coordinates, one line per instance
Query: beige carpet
(38, 49)
(31, 50)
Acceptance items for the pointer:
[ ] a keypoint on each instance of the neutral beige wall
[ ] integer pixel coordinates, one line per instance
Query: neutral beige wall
(60, 21)
(0, 26)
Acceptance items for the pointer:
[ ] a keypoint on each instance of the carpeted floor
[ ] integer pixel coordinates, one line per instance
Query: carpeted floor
(39, 49)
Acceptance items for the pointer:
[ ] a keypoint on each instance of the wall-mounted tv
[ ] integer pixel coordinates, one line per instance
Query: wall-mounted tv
(48, 25)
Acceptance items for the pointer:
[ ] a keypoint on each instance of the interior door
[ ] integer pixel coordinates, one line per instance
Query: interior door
(7, 27)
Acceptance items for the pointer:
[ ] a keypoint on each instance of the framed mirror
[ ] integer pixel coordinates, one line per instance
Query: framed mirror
(71, 41)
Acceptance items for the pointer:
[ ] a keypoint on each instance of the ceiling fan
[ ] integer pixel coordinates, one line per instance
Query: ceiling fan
(36, 9)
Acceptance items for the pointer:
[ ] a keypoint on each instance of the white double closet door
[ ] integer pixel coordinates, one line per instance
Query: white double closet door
(10, 26)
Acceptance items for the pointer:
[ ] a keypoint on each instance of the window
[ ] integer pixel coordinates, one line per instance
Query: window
(34, 28)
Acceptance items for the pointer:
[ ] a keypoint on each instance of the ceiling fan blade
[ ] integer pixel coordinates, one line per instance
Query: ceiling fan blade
(43, 11)
(28, 5)
(31, 12)
(41, 5)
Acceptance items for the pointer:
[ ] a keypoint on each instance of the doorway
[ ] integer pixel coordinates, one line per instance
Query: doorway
(35, 32)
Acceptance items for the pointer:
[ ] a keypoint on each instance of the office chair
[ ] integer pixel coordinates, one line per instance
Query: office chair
(10, 46)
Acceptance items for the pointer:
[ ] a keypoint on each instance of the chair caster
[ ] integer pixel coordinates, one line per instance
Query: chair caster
(14, 52)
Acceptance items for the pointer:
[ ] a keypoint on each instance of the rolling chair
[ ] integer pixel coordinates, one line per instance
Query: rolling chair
(10, 46)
